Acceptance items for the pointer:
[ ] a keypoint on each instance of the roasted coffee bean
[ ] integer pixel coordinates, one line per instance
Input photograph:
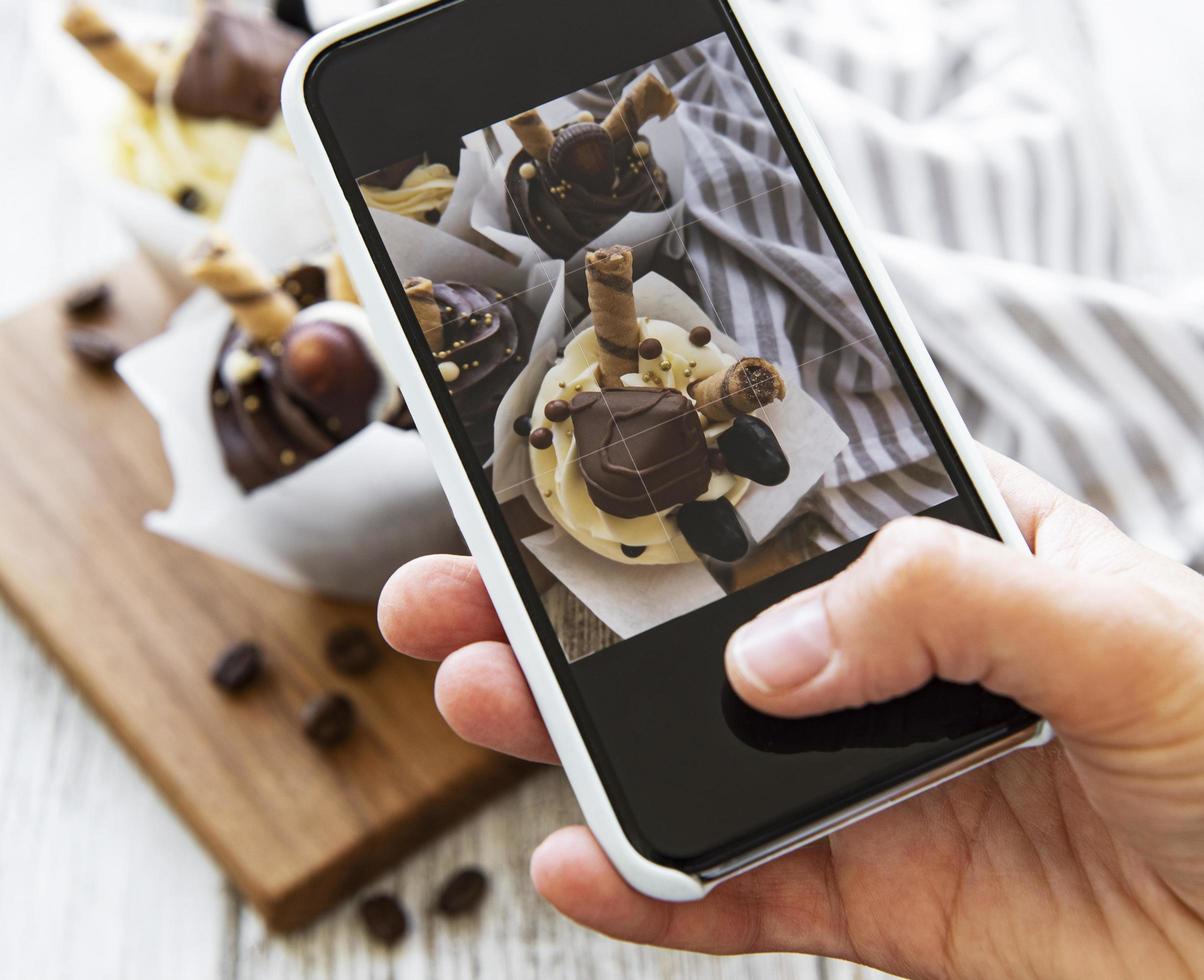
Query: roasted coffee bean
(88, 301)
(189, 198)
(384, 918)
(713, 528)
(328, 719)
(238, 668)
(352, 651)
(93, 349)
(462, 892)
(750, 449)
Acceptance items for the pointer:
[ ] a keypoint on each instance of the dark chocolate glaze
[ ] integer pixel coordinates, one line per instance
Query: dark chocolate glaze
(560, 214)
(268, 428)
(641, 450)
(235, 67)
(494, 335)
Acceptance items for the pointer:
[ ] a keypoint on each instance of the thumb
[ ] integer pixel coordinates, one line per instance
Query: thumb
(1098, 655)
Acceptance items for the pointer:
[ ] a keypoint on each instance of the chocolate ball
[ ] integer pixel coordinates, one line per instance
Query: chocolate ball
(700, 336)
(651, 349)
(557, 410)
(326, 366)
(541, 439)
(522, 426)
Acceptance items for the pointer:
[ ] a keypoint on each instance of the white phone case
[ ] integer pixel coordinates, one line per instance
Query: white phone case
(646, 876)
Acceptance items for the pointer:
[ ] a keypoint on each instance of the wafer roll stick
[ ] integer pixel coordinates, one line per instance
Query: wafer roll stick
(338, 282)
(533, 133)
(648, 97)
(261, 308)
(87, 26)
(421, 294)
(608, 274)
(743, 388)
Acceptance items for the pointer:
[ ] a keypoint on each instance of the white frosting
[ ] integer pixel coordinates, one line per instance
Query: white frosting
(155, 147)
(558, 477)
(388, 398)
(426, 188)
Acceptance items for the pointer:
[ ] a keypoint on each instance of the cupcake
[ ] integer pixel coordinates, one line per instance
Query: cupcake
(193, 107)
(297, 372)
(417, 188)
(643, 438)
(568, 186)
(481, 339)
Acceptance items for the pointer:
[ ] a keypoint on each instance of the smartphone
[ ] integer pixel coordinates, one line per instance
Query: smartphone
(665, 382)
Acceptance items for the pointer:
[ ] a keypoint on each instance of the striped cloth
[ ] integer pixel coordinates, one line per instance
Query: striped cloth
(1006, 231)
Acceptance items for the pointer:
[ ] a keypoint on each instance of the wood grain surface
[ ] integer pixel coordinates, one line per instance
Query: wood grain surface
(136, 621)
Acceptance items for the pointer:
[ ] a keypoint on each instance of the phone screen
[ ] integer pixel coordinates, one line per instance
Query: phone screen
(677, 395)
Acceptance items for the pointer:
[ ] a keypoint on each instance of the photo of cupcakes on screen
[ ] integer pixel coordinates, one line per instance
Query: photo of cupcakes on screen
(418, 188)
(643, 436)
(195, 102)
(481, 340)
(297, 373)
(570, 184)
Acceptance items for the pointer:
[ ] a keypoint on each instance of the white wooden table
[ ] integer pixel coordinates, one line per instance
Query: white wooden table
(98, 878)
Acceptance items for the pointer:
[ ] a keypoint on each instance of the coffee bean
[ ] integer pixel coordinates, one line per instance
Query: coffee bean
(462, 893)
(88, 301)
(93, 349)
(352, 651)
(384, 918)
(238, 668)
(189, 198)
(328, 719)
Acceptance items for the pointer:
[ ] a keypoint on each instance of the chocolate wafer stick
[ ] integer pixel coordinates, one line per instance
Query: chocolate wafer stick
(740, 390)
(533, 133)
(261, 308)
(421, 294)
(338, 282)
(608, 273)
(87, 26)
(648, 97)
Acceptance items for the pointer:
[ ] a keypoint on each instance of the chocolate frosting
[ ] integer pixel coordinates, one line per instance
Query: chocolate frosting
(271, 426)
(640, 450)
(559, 212)
(235, 67)
(489, 338)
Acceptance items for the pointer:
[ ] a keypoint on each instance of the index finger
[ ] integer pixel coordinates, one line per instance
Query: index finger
(436, 605)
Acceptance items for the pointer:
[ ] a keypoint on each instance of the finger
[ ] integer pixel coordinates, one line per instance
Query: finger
(788, 905)
(482, 693)
(435, 605)
(928, 599)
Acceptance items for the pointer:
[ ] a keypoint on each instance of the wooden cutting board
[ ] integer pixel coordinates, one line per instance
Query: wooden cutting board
(136, 622)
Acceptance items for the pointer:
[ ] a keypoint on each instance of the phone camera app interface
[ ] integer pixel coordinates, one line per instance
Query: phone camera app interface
(652, 345)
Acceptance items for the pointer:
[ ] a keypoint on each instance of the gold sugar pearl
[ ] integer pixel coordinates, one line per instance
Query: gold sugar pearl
(251, 403)
(488, 319)
(476, 363)
(334, 425)
(688, 373)
(547, 493)
(561, 384)
(665, 366)
(449, 372)
(277, 348)
(693, 364)
(527, 171)
(509, 351)
(221, 398)
(288, 458)
(578, 387)
(647, 376)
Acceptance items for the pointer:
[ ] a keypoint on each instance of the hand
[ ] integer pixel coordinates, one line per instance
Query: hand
(1085, 858)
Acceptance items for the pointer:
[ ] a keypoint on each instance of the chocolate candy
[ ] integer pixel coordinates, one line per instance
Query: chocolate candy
(189, 198)
(651, 349)
(462, 893)
(642, 450)
(584, 154)
(328, 719)
(700, 336)
(94, 350)
(750, 449)
(632, 550)
(352, 651)
(88, 301)
(327, 367)
(384, 918)
(557, 410)
(713, 528)
(522, 426)
(235, 67)
(238, 668)
(542, 439)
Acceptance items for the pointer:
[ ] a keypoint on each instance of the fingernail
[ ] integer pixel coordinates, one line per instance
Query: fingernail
(784, 649)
